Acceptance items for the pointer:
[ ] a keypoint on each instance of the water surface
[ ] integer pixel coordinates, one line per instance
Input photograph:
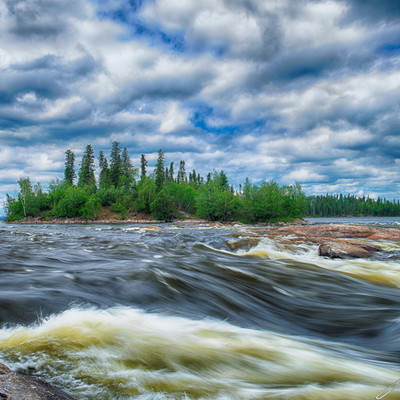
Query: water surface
(170, 312)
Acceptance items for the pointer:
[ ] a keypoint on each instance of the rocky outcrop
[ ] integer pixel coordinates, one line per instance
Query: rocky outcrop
(316, 232)
(14, 386)
(347, 249)
(333, 239)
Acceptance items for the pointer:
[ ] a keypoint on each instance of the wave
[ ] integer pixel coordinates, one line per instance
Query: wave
(125, 353)
(380, 271)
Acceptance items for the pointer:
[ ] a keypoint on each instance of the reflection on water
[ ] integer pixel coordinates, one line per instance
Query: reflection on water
(171, 312)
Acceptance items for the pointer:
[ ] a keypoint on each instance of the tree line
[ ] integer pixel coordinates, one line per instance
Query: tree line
(165, 194)
(348, 205)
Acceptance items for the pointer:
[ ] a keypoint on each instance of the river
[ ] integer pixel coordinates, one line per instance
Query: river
(144, 312)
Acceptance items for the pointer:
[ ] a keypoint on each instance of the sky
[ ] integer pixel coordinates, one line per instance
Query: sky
(284, 90)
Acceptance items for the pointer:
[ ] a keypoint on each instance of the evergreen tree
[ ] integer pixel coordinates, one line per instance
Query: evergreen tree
(86, 173)
(166, 174)
(104, 178)
(69, 171)
(115, 163)
(171, 172)
(127, 166)
(159, 172)
(223, 180)
(143, 165)
(181, 172)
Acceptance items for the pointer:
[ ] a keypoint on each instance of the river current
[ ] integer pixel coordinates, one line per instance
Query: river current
(132, 311)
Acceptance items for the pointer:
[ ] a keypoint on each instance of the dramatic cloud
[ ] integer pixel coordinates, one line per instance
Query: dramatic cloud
(286, 90)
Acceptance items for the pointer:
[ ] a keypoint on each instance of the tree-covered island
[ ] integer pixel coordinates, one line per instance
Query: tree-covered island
(125, 191)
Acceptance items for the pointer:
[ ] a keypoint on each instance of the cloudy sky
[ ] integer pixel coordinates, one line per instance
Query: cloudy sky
(284, 90)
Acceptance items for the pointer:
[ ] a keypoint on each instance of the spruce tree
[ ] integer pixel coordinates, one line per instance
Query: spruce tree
(86, 173)
(181, 172)
(159, 173)
(104, 178)
(69, 171)
(171, 171)
(143, 165)
(127, 166)
(115, 163)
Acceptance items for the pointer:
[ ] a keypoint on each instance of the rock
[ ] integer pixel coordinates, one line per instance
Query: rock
(325, 250)
(340, 231)
(346, 249)
(331, 238)
(245, 244)
(14, 386)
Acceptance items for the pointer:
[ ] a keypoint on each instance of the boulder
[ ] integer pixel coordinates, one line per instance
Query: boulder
(14, 386)
(347, 249)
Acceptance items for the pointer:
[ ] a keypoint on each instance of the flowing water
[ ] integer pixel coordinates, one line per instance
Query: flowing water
(170, 312)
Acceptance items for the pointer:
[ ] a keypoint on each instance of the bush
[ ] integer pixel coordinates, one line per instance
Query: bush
(91, 208)
(70, 205)
(162, 206)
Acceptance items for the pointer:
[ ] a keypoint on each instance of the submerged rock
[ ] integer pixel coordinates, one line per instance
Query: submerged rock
(243, 244)
(14, 386)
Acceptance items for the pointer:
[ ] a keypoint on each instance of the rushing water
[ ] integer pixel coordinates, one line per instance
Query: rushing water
(170, 312)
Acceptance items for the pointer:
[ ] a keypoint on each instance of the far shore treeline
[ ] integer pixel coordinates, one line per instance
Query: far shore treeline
(125, 191)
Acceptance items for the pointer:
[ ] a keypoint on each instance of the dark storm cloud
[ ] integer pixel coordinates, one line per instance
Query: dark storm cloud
(26, 86)
(69, 70)
(374, 10)
(297, 65)
(41, 18)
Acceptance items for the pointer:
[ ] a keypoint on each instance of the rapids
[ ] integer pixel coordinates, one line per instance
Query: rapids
(170, 312)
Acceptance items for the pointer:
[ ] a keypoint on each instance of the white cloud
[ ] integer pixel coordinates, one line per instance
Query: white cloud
(308, 90)
(303, 175)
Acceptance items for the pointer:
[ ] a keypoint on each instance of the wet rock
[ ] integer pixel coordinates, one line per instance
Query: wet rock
(244, 244)
(14, 386)
(340, 231)
(346, 249)
(331, 238)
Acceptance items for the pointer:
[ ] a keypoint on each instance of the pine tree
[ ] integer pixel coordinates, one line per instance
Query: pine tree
(115, 163)
(171, 171)
(86, 173)
(69, 171)
(143, 165)
(159, 173)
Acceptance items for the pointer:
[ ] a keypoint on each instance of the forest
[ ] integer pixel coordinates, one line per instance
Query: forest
(348, 205)
(165, 194)
(123, 190)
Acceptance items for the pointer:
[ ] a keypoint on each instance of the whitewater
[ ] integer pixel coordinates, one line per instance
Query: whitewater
(134, 311)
